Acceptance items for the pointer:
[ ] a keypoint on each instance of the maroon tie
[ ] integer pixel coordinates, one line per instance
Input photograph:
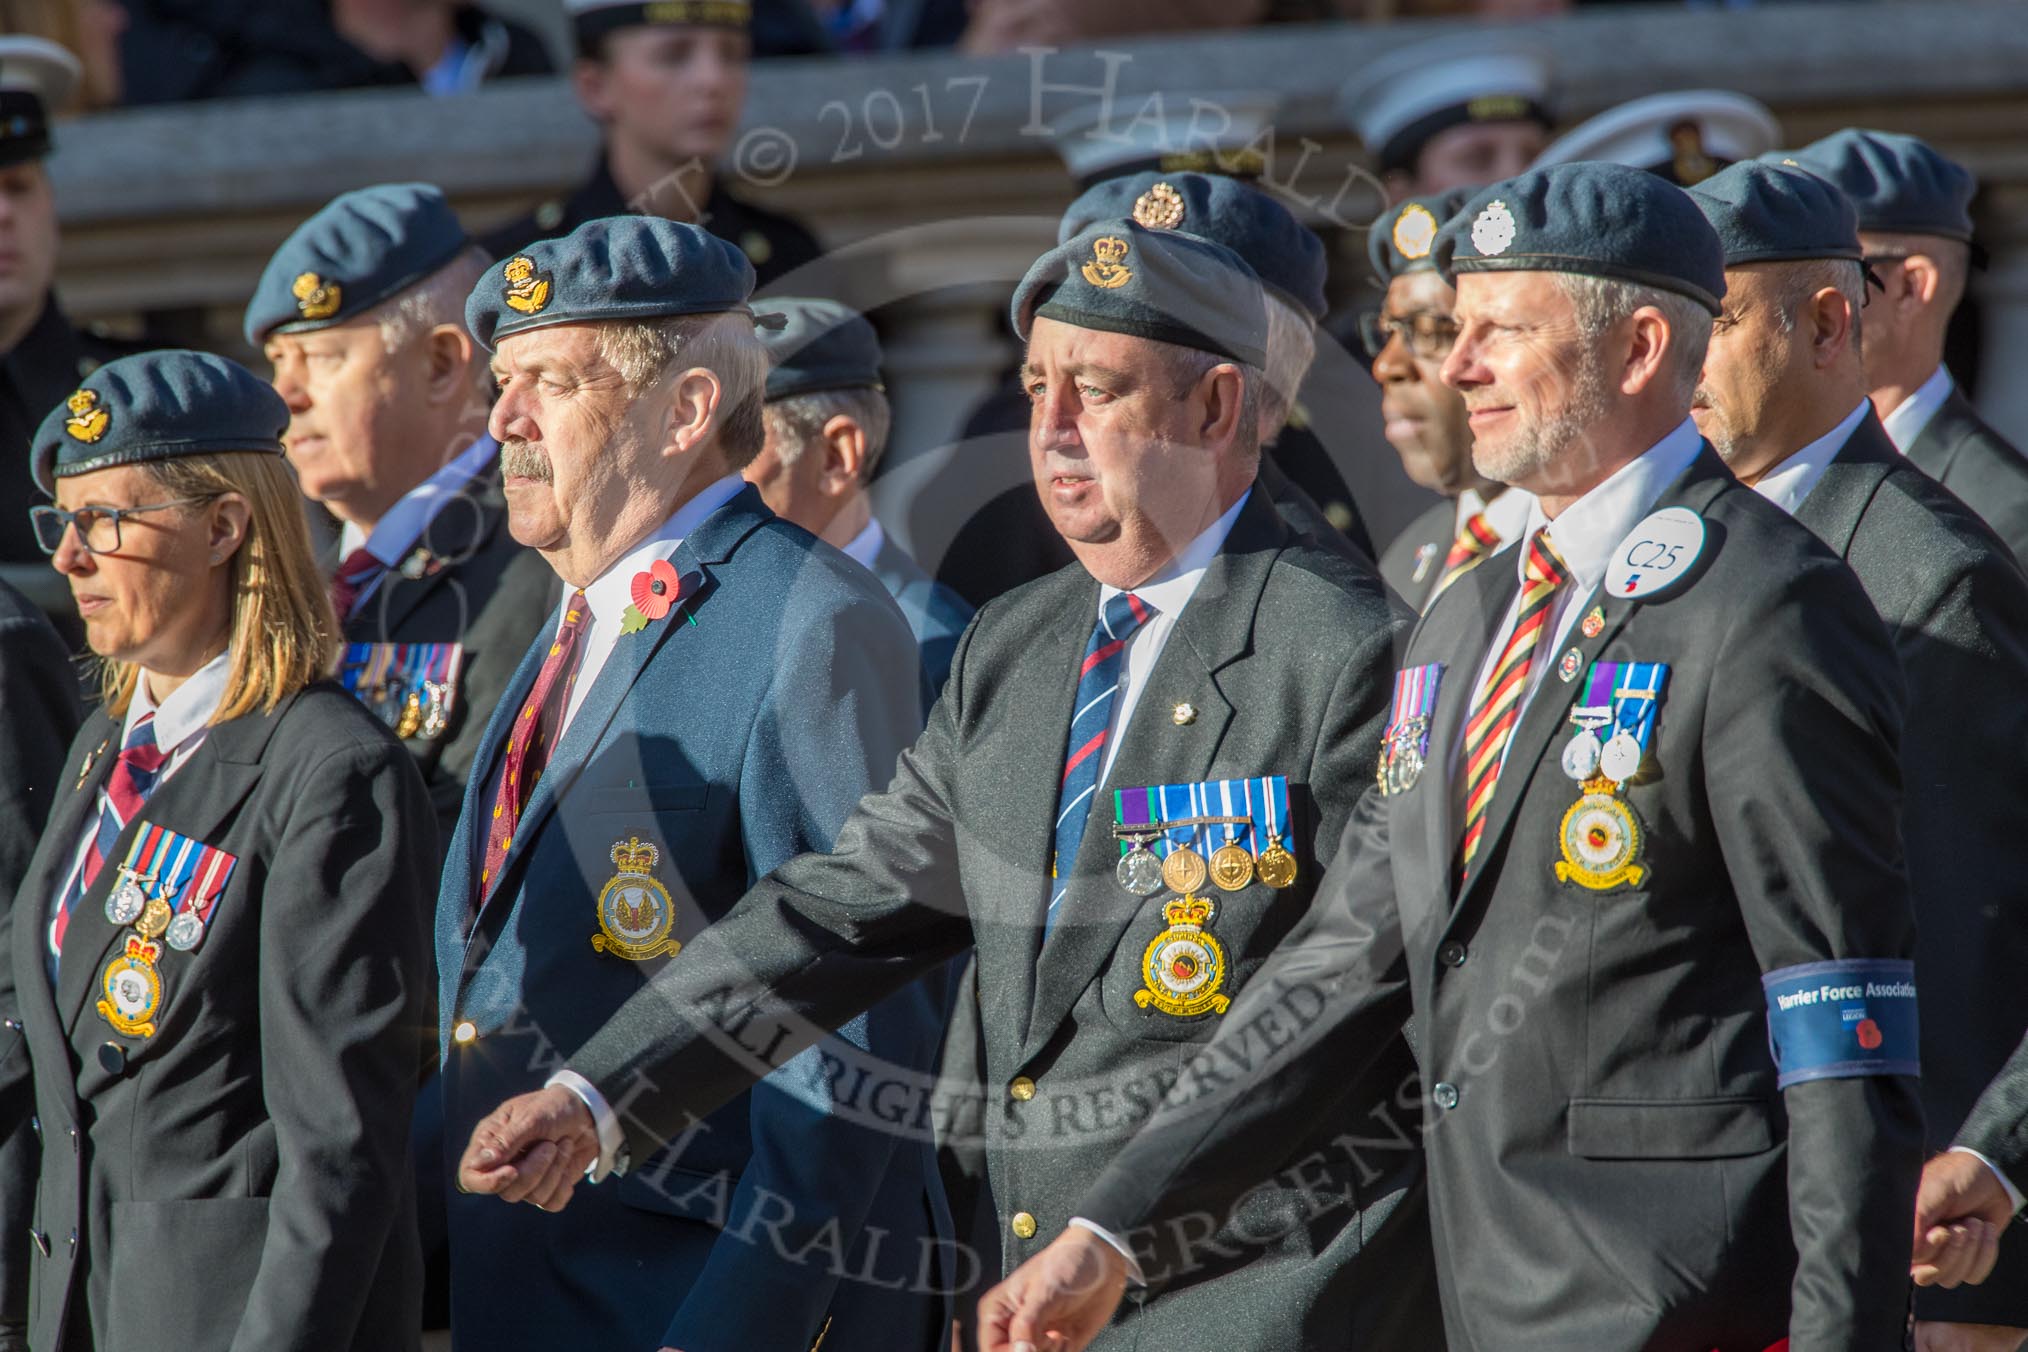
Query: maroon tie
(359, 568)
(533, 737)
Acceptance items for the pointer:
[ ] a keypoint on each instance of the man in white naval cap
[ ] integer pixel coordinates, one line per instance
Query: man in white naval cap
(1685, 135)
(1451, 113)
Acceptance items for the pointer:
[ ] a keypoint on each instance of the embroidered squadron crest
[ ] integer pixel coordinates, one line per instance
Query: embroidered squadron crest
(87, 421)
(1159, 208)
(1415, 230)
(527, 290)
(1600, 840)
(315, 297)
(1108, 267)
(635, 910)
(1184, 966)
(1493, 229)
(131, 989)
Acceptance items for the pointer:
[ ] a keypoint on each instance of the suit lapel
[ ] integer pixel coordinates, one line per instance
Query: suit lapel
(1834, 507)
(1936, 446)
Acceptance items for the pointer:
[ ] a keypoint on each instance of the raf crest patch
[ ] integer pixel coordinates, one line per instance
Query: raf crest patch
(1493, 229)
(527, 290)
(87, 421)
(1159, 208)
(315, 297)
(1108, 267)
(1414, 231)
(636, 912)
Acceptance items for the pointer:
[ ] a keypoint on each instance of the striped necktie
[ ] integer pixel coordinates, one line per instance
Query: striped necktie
(1497, 707)
(533, 736)
(1098, 685)
(1476, 539)
(127, 789)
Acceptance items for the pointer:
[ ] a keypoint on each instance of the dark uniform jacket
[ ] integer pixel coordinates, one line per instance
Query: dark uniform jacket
(775, 244)
(1413, 563)
(936, 615)
(1611, 1162)
(733, 733)
(1956, 606)
(1281, 659)
(1960, 451)
(238, 1179)
(1998, 1125)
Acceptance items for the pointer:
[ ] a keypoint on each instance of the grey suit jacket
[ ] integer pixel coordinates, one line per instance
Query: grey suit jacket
(1413, 563)
(1956, 606)
(1611, 1162)
(1960, 451)
(1998, 1125)
(1282, 658)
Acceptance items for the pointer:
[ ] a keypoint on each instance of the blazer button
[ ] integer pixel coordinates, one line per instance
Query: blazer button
(1445, 1095)
(1451, 953)
(1022, 1089)
(112, 1058)
(1023, 1225)
(466, 1031)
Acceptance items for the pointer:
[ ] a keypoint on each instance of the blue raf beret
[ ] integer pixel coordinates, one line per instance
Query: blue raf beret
(1897, 184)
(1286, 254)
(820, 345)
(157, 406)
(1121, 277)
(618, 267)
(1591, 218)
(362, 248)
(1773, 213)
(1404, 238)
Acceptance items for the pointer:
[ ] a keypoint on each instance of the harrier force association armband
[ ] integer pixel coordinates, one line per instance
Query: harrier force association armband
(1832, 1020)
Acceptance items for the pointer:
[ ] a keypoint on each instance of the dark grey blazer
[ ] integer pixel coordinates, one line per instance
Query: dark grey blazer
(239, 1178)
(1283, 659)
(1414, 562)
(1998, 1125)
(1611, 1162)
(1960, 451)
(1956, 606)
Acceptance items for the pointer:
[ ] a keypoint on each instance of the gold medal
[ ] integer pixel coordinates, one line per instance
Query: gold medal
(1184, 869)
(1277, 866)
(1232, 867)
(635, 911)
(411, 716)
(154, 919)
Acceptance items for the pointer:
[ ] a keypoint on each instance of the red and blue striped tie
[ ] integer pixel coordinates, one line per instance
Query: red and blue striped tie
(127, 789)
(1098, 684)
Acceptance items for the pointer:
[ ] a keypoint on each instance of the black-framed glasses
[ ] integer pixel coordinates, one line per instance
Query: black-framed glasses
(1426, 333)
(98, 528)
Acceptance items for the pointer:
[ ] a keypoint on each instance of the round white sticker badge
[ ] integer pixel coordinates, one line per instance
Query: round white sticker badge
(1657, 554)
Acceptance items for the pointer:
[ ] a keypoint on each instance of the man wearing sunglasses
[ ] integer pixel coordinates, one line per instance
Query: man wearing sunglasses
(1408, 339)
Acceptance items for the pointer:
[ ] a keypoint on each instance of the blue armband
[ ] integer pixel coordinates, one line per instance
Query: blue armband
(1831, 1020)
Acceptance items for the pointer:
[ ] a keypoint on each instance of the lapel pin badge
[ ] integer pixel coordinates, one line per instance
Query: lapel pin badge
(1184, 714)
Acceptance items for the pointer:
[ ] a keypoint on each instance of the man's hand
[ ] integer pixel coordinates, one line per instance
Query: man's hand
(1931, 1336)
(533, 1148)
(1960, 1210)
(1058, 1300)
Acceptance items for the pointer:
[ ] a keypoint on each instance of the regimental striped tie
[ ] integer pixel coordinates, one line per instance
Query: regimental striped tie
(1476, 539)
(533, 737)
(1497, 706)
(127, 789)
(1098, 684)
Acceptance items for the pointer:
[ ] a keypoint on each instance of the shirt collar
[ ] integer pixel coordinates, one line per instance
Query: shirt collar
(189, 708)
(1507, 514)
(1590, 529)
(864, 547)
(1788, 483)
(1912, 414)
(1170, 589)
(613, 590)
(396, 533)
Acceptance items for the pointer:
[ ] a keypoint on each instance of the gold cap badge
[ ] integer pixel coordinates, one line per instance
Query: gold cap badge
(315, 297)
(527, 291)
(87, 421)
(1108, 268)
(1414, 231)
(1159, 208)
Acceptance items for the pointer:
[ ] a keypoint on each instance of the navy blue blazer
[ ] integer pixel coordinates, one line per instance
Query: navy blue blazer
(735, 733)
(936, 615)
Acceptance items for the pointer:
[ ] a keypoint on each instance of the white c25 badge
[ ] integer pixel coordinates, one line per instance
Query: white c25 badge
(1656, 554)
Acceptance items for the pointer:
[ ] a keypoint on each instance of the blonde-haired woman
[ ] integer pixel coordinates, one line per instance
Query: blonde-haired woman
(217, 956)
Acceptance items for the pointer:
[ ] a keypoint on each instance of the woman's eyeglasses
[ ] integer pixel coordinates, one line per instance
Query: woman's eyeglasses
(98, 528)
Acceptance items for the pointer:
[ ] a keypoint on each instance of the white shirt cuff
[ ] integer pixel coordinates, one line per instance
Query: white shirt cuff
(2013, 1193)
(1134, 1276)
(610, 1137)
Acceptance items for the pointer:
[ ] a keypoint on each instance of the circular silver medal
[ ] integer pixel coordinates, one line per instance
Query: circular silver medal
(186, 931)
(1139, 871)
(126, 903)
(1621, 758)
(1581, 756)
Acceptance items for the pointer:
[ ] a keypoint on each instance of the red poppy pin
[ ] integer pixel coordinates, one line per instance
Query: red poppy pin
(656, 590)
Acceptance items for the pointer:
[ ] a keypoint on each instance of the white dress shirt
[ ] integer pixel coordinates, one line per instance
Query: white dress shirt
(1912, 414)
(864, 547)
(1506, 514)
(1788, 483)
(396, 533)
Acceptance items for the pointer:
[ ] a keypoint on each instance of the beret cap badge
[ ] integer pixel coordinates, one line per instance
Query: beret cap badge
(1415, 230)
(87, 421)
(1159, 208)
(315, 297)
(527, 290)
(1108, 268)
(1493, 230)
